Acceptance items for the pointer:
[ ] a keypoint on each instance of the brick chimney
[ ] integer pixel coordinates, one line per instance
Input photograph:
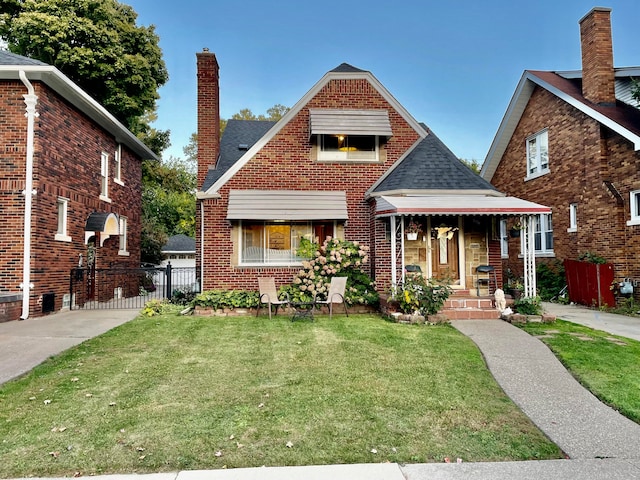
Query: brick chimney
(208, 113)
(598, 79)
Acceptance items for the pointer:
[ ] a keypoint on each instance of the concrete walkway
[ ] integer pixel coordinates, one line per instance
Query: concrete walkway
(25, 344)
(601, 443)
(609, 322)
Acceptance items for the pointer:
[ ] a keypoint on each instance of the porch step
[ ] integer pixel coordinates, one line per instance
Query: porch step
(462, 307)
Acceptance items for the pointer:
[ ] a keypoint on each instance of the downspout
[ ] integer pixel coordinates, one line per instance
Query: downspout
(30, 99)
(201, 245)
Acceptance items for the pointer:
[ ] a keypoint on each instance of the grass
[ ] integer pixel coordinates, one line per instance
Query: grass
(171, 393)
(607, 365)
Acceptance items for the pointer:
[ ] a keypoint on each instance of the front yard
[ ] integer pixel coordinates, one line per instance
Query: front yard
(170, 393)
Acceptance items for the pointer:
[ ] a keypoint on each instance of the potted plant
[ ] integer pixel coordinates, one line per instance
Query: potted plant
(515, 230)
(412, 230)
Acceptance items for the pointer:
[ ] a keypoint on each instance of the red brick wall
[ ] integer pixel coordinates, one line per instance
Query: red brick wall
(285, 164)
(582, 154)
(67, 154)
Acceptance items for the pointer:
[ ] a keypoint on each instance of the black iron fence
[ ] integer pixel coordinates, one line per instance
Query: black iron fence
(122, 288)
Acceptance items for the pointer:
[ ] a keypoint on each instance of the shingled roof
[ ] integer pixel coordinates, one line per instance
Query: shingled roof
(238, 137)
(8, 58)
(431, 166)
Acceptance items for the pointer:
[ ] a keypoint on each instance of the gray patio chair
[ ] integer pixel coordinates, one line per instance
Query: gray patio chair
(269, 295)
(337, 288)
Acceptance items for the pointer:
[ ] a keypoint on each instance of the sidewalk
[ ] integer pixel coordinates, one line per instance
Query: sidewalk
(609, 322)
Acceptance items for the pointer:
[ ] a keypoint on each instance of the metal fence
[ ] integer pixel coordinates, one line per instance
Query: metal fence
(124, 288)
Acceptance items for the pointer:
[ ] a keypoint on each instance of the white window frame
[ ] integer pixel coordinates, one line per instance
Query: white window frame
(539, 227)
(573, 218)
(634, 207)
(346, 156)
(62, 234)
(504, 239)
(537, 165)
(117, 174)
(104, 177)
(122, 237)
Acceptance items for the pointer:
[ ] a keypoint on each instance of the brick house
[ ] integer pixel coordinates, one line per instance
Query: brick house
(346, 161)
(571, 139)
(70, 187)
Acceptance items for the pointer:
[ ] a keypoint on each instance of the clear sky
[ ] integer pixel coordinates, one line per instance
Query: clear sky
(453, 64)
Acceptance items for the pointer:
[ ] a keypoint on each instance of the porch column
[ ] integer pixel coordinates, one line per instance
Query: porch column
(394, 273)
(529, 256)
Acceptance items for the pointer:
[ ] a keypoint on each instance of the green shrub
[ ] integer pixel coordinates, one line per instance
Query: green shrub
(421, 295)
(591, 258)
(528, 306)
(219, 299)
(154, 307)
(550, 278)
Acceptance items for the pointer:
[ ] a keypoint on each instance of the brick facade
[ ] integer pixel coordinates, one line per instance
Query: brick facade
(583, 154)
(67, 162)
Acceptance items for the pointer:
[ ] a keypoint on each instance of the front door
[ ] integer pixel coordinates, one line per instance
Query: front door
(444, 256)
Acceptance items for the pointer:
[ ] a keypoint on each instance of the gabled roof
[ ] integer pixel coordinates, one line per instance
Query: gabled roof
(342, 72)
(621, 118)
(10, 66)
(430, 167)
(237, 138)
(179, 243)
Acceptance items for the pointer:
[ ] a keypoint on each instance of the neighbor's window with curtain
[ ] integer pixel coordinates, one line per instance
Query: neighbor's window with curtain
(278, 243)
(348, 147)
(504, 239)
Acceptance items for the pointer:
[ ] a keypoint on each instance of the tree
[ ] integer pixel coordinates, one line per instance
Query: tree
(97, 44)
(168, 204)
(473, 164)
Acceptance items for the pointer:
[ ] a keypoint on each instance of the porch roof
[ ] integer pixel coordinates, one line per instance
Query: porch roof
(456, 205)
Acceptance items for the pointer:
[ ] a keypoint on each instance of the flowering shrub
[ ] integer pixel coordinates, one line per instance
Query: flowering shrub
(426, 297)
(334, 258)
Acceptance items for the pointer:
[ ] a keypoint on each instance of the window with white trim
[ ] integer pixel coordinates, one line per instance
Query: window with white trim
(104, 177)
(542, 235)
(504, 239)
(122, 249)
(277, 243)
(63, 210)
(634, 204)
(117, 173)
(573, 217)
(538, 154)
(348, 147)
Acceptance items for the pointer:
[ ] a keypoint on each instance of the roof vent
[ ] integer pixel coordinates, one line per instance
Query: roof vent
(243, 146)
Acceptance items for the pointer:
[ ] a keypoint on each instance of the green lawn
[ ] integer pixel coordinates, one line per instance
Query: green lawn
(170, 393)
(607, 365)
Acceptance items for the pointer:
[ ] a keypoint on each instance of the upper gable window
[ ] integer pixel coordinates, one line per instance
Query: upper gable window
(348, 147)
(537, 154)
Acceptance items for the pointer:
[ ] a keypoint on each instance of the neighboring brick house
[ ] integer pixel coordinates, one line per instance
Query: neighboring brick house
(70, 187)
(571, 140)
(346, 161)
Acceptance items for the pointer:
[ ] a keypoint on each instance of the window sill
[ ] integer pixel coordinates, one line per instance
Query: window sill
(572, 230)
(62, 238)
(269, 265)
(542, 255)
(633, 221)
(118, 181)
(536, 175)
(123, 253)
(105, 199)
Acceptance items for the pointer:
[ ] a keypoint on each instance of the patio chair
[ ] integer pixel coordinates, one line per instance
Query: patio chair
(269, 295)
(337, 288)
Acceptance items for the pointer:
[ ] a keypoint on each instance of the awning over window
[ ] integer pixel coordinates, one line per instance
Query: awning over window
(287, 205)
(349, 122)
(456, 205)
(103, 222)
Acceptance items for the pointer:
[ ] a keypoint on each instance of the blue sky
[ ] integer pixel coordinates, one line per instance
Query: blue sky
(453, 64)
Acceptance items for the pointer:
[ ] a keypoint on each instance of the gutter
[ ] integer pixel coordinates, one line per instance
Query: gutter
(30, 99)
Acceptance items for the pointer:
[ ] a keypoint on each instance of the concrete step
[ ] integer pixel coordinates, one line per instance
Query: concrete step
(471, 314)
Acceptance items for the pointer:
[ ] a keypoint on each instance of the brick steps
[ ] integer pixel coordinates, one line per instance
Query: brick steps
(461, 306)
